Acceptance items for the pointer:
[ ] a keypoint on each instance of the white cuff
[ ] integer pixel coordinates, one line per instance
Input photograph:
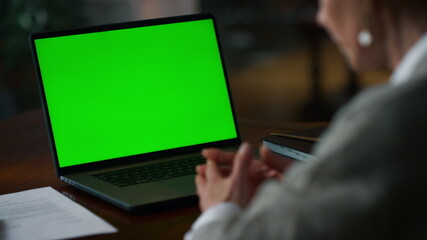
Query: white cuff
(216, 213)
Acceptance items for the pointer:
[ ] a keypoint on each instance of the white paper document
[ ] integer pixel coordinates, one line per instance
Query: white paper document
(44, 213)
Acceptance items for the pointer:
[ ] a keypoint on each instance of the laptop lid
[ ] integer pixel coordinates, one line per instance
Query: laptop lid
(131, 92)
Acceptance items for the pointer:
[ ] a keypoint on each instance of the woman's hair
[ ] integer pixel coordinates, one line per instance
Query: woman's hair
(412, 6)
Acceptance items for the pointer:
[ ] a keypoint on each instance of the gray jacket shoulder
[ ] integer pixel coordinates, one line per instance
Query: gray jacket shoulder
(370, 168)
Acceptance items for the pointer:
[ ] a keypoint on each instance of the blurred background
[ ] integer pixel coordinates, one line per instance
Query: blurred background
(281, 65)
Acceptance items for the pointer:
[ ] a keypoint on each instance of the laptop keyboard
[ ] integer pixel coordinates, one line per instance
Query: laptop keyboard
(152, 172)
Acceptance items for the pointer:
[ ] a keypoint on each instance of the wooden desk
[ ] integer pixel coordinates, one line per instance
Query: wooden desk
(25, 163)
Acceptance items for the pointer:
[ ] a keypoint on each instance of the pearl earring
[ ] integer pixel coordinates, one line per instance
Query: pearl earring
(365, 38)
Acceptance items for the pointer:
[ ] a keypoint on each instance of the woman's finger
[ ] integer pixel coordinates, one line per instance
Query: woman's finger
(200, 184)
(201, 169)
(273, 160)
(242, 161)
(274, 174)
(218, 155)
(212, 170)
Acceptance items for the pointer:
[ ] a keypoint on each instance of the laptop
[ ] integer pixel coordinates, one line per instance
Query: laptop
(130, 106)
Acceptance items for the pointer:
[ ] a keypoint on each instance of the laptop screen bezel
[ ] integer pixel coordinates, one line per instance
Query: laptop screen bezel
(140, 157)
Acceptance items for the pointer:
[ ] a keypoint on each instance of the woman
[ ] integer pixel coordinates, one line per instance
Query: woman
(370, 177)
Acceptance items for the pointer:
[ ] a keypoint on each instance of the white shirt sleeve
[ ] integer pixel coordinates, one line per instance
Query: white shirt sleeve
(216, 213)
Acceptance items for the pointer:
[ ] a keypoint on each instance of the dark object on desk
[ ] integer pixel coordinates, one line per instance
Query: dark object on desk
(297, 145)
(311, 134)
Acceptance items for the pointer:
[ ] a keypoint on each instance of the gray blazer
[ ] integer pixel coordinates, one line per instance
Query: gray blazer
(370, 180)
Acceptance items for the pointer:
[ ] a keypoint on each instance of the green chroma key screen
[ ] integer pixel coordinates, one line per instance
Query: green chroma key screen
(131, 91)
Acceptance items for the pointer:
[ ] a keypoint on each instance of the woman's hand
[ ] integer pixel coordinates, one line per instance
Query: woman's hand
(277, 163)
(215, 186)
(235, 177)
